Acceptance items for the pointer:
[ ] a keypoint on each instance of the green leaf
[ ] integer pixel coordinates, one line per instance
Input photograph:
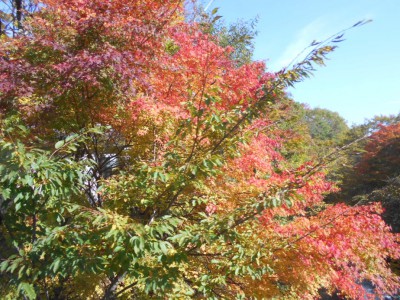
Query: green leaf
(71, 137)
(21, 272)
(59, 144)
(5, 193)
(56, 265)
(164, 248)
(118, 249)
(4, 265)
(27, 289)
(216, 18)
(155, 175)
(97, 130)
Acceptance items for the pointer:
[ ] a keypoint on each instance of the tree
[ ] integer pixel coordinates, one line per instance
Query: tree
(372, 161)
(141, 161)
(12, 14)
(314, 133)
(388, 195)
(374, 174)
(238, 35)
(326, 127)
(380, 160)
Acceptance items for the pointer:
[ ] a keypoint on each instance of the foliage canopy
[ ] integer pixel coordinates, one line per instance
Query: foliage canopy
(139, 160)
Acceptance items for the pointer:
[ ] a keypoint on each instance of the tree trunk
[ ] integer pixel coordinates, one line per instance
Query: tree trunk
(110, 291)
(18, 7)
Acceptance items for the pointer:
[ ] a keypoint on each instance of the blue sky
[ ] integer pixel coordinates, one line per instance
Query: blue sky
(362, 77)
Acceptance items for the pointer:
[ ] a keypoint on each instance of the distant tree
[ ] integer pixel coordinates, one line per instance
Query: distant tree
(368, 127)
(380, 160)
(327, 128)
(369, 163)
(389, 196)
(315, 134)
(238, 35)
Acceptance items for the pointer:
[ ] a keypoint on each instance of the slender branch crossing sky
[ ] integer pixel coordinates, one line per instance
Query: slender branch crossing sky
(362, 77)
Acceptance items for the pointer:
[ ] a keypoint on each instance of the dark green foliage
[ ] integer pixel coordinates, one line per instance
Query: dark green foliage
(389, 196)
(327, 128)
(37, 193)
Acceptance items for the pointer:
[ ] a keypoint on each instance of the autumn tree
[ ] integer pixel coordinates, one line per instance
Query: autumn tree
(12, 15)
(381, 161)
(239, 35)
(140, 161)
(372, 172)
(371, 161)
